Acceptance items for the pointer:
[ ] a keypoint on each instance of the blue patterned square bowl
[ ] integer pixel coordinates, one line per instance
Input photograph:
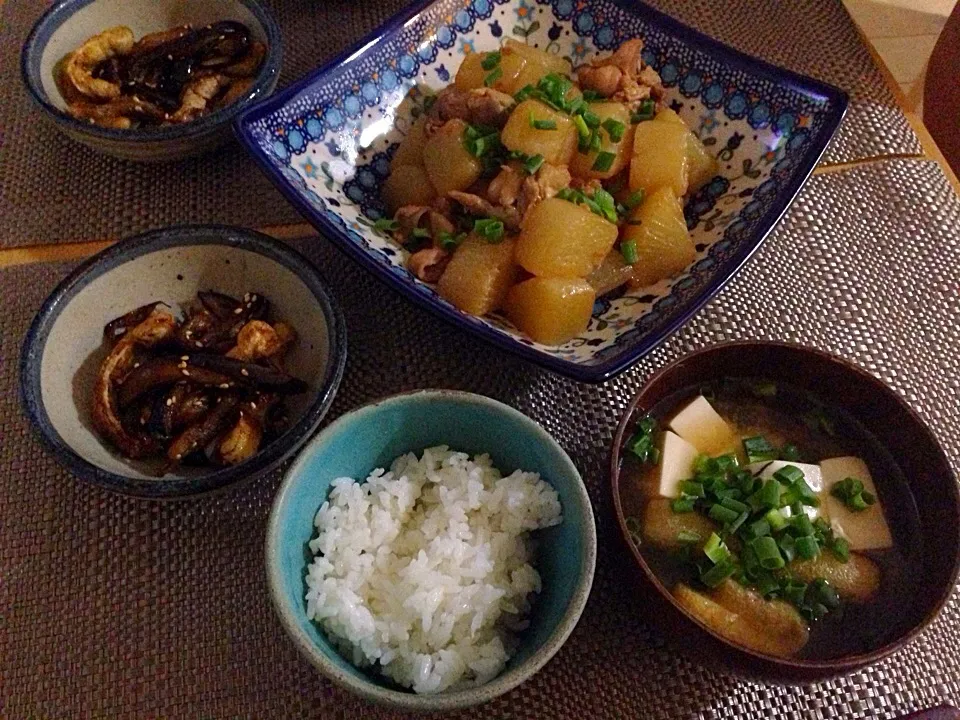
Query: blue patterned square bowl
(326, 141)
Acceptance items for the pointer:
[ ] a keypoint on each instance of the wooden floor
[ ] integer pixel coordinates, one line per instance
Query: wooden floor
(889, 19)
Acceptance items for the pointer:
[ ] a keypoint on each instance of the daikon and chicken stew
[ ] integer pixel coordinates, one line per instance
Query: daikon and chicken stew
(530, 187)
(776, 521)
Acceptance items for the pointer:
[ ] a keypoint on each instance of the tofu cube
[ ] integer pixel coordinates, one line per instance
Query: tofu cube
(701, 426)
(676, 463)
(865, 530)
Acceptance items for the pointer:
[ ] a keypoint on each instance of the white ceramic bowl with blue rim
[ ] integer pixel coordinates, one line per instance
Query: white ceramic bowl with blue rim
(326, 142)
(372, 437)
(63, 348)
(68, 23)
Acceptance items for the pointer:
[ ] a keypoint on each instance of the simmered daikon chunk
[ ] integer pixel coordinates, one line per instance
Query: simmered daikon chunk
(537, 129)
(407, 185)
(479, 275)
(500, 76)
(449, 165)
(659, 232)
(660, 157)
(410, 150)
(615, 123)
(537, 64)
(551, 310)
(561, 239)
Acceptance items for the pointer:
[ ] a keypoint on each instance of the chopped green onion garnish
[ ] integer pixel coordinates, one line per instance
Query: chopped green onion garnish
(767, 497)
(489, 229)
(741, 519)
(491, 78)
(788, 546)
(852, 493)
(790, 453)
(595, 143)
(775, 519)
(491, 60)
(591, 95)
(841, 548)
(532, 164)
(386, 225)
(724, 516)
(768, 554)
(760, 528)
(767, 584)
(642, 443)
(449, 242)
(603, 162)
(735, 505)
(523, 93)
(692, 489)
(758, 449)
(682, 505)
(788, 475)
(615, 129)
(646, 111)
(634, 199)
(607, 205)
(718, 573)
(794, 591)
(807, 548)
(628, 248)
(688, 536)
(591, 119)
(801, 526)
(542, 124)
(420, 233)
(715, 549)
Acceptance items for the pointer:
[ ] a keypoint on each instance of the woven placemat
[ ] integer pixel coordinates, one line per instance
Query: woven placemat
(53, 190)
(116, 607)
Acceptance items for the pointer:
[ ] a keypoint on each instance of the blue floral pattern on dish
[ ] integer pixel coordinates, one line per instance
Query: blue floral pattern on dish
(327, 143)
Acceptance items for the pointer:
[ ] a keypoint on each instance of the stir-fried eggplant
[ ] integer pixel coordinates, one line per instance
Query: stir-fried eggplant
(205, 388)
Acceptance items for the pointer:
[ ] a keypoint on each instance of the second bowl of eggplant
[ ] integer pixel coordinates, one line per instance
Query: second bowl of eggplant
(183, 361)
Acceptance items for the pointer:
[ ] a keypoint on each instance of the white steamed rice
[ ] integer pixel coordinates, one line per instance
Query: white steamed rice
(425, 570)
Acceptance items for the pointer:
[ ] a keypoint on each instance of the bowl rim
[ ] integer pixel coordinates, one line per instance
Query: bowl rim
(583, 372)
(30, 390)
(62, 10)
(832, 665)
(444, 701)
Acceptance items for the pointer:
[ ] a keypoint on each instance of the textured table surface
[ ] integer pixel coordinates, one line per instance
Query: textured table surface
(55, 191)
(115, 607)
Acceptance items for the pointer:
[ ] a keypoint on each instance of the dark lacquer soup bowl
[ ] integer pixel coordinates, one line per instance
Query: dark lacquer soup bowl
(914, 486)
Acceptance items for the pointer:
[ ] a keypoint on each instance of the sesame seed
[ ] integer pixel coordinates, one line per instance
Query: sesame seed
(253, 297)
(186, 372)
(224, 386)
(136, 365)
(179, 456)
(199, 344)
(253, 405)
(244, 372)
(184, 357)
(182, 365)
(188, 334)
(246, 297)
(238, 310)
(169, 402)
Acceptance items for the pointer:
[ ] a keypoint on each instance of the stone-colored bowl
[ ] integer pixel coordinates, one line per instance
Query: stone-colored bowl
(68, 23)
(63, 348)
(371, 437)
(888, 418)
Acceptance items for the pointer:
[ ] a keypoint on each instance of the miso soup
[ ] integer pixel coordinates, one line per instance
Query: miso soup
(776, 520)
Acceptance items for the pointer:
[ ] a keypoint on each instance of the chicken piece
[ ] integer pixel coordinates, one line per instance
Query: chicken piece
(587, 186)
(428, 264)
(237, 89)
(113, 42)
(621, 76)
(256, 340)
(480, 106)
(415, 217)
(197, 94)
(856, 580)
(661, 526)
(476, 205)
(504, 189)
(158, 327)
(549, 180)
